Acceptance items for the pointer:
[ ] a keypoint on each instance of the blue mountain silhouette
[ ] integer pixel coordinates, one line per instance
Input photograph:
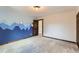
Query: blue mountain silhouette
(4, 26)
(14, 32)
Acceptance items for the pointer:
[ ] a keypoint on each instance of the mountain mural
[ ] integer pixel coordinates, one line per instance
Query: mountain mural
(14, 32)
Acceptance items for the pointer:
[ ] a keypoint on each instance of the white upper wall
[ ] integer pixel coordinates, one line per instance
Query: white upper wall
(77, 10)
(9, 16)
(61, 25)
(42, 11)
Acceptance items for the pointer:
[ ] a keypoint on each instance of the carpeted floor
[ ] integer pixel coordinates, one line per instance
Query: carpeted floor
(39, 44)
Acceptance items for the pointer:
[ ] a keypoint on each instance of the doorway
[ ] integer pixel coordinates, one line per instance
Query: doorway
(38, 27)
(77, 29)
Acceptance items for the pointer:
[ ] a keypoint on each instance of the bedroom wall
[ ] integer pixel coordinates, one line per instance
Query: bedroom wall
(9, 16)
(14, 25)
(61, 25)
(77, 9)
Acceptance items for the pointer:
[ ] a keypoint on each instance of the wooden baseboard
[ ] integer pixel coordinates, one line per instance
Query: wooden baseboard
(60, 39)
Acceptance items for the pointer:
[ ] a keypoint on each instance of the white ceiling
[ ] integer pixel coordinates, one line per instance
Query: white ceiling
(42, 11)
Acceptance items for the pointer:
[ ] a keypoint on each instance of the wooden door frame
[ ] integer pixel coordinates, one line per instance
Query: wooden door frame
(77, 30)
(42, 25)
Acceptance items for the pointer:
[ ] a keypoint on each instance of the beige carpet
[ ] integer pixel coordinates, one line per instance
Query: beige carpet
(39, 44)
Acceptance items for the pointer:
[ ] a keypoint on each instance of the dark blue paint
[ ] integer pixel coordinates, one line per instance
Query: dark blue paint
(8, 34)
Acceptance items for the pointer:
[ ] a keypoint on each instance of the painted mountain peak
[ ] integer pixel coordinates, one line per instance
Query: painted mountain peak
(11, 27)
(13, 32)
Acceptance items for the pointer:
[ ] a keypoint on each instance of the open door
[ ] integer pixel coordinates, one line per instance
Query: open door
(78, 30)
(35, 27)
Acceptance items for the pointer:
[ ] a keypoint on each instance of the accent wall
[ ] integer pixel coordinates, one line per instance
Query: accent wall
(14, 25)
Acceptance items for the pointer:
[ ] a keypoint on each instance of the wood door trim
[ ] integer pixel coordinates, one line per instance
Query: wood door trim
(35, 27)
(77, 29)
(42, 25)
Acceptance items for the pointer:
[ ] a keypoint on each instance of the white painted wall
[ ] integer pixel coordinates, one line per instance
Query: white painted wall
(61, 25)
(77, 10)
(9, 16)
(40, 27)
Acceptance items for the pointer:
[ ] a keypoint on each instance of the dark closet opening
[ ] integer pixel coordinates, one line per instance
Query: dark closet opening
(77, 29)
(36, 27)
